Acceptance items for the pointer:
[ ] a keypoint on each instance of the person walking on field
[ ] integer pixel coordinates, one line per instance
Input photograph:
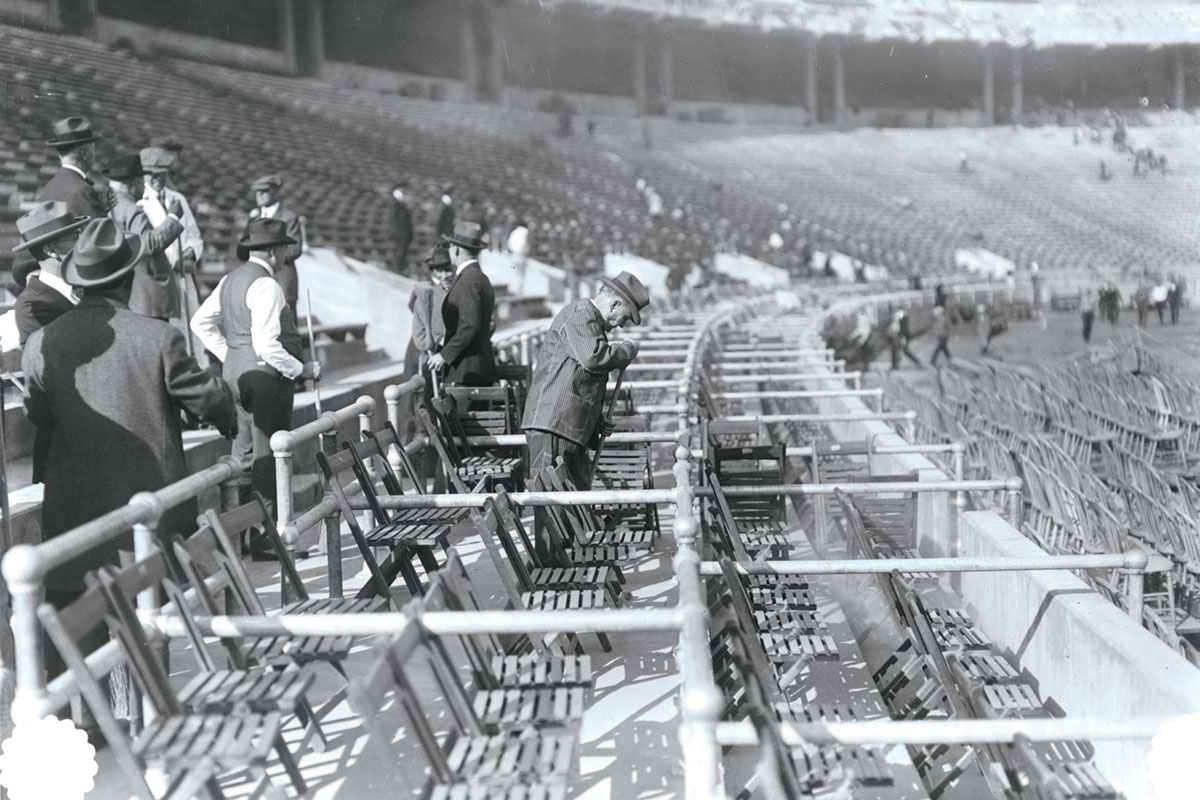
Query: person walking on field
(1088, 304)
(941, 331)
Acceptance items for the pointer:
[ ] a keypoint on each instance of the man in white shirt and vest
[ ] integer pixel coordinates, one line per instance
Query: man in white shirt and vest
(260, 348)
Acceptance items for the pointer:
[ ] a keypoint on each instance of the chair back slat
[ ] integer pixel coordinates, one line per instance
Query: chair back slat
(386, 439)
(254, 514)
(449, 459)
(343, 461)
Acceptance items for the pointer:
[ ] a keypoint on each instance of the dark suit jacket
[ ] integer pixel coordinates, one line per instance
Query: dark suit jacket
(79, 195)
(467, 313)
(155, 290)
(285, 274)
(38, 306)
(402, 225)
(107, 384)
(566, 395)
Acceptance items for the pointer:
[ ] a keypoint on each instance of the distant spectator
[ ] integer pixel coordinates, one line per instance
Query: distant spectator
(445, 220)
(402, 228)
(1088, 304)
(941, 332)
(939, 296)
(861, 336)
(899, 334)
(1141, 300)
(1176, 300)
(1159, 295)
(1173, 299)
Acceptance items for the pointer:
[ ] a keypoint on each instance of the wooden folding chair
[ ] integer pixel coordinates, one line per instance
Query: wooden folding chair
(462, 466)
(567, 550)
(587, 529)
(627, 466)
(468, 762)
(192, 749)
(417, 534)
(746, 540)
(386, 440)
(521, 589)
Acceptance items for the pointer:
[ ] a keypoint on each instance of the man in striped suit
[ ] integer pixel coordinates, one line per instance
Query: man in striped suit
(564, 410)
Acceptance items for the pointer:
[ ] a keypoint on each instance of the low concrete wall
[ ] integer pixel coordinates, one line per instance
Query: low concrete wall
(1087, 655)
(148, 40)
(1084, 653)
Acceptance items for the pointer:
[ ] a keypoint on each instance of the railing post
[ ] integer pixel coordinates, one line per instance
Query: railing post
(1016, 509)
(525, 349)
(1135, 584)
(145, 544)
(958, 453)
(910, 425)
(230, 493)
(283, 444)
(331, 545)
(24, 574)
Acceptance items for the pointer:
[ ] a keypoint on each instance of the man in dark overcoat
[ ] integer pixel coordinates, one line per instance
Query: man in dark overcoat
(108, 385)
(445, 218)
(48, 233)
(75, 143)
(402, 227)
(155, 290)
(564, 410)
(467, 356)
(268, 205)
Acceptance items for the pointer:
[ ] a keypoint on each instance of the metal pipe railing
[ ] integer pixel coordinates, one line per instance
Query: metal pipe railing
(1134, 560)
(25, 568)
(769, 377)
(802, 394)
(948, 731)
(867, 416)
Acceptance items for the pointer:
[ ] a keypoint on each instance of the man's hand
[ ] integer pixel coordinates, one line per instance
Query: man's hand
(174, 207)
(628, 349)
(230, 432)
(311, 371)
(606, 427)
(437, 362)
(189, 261)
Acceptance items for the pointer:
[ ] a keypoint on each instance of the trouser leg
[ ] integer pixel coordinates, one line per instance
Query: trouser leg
(543, 449)
(267, 399)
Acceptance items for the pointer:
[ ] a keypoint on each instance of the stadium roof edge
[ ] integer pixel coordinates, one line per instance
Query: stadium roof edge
(1122, 23)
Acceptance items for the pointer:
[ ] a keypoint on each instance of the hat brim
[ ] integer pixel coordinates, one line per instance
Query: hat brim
(470, 244)
(137, 251)
(626, 296)
(58, 143)
(245, 243)
(46, 237)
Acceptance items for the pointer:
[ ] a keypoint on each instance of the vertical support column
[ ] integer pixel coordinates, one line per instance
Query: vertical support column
(1180, 77)
(989, 86)
(498, 61)
(959, 456)
(1018, 86)
(470, 56)
(287, 34)
(666, 68)
(283, 445)
(24, 574)
(640, 55)
(316, 36)
(810, 76)
(839, 83)
(332, 543)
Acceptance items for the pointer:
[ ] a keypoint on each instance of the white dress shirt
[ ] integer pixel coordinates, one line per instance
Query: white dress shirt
(465, 264)
(265, 300)
(59, 285)
(268, 212)
(156, 214)
(76, 170)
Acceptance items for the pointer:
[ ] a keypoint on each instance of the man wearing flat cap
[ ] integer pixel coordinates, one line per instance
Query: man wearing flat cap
(107, 385)
(269, 206)
(155, 290)
(48, 233)
(75, 143)
(249, 327)
(564, 410)
(467, 356)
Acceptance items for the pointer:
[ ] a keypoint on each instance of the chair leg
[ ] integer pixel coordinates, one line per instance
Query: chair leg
(308, 719)
(428, 560)
(289, 766)
(604, 642)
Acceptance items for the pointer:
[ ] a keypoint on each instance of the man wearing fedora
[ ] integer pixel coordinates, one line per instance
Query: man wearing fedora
(467, 355)
(155, 292)
(107, 386)
(269, 206)
(75, 143)
(564, 410)
(48, 233)
(247, 324)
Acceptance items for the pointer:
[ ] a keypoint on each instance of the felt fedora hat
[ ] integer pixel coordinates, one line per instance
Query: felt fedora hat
(265, 183)
(124, 167)
(439, 258)
(262, 234)
(103, 255)
(72, 131)
(157, 159)
(628, 286)
(168, 142)
(468, 231)
(47, 220)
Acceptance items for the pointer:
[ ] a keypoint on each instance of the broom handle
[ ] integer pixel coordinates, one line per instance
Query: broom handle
(312, 348)
(600, 444)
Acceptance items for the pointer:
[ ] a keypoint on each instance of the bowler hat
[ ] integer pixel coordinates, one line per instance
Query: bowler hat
(468, 231)
(266, 182)
(262, 234)
(631, 289)
(71, 132)
(439, 258)
(103, 255)
(124, 167)
(45, 221)
(157, 159)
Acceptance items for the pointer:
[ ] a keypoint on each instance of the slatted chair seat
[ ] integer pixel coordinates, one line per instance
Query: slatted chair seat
(585, 524)
(460, 465)
(533, 669)
(558, 577)
(776, 596)
(409, 534)
(564, 599)
(523, 706)
(989, 668)
(179, 741)
(281, 650)
(789, 619)
(259, 691)
(965, 637)
(476, 791)
(593, 554)
(1009, 699)
(509, 758)
(640, 540)
(783, 646)
(1082, 781)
